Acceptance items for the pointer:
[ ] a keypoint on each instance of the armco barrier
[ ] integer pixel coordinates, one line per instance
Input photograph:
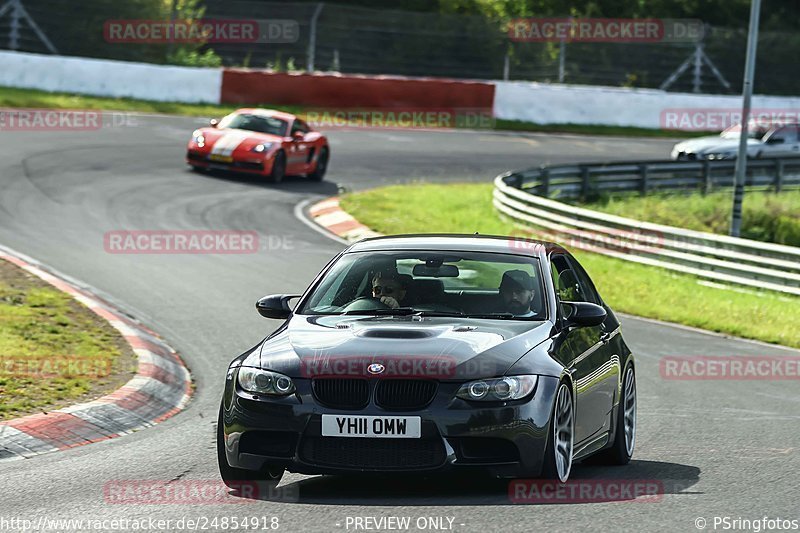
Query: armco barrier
(242, 86)
(714, 257)
(585, 180)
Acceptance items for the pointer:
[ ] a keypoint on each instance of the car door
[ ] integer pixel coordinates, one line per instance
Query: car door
(297, 154)
(583, 351)
(782, 142)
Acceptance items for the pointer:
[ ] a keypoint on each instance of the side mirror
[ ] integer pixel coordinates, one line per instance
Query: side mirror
(298, 136)
(776, 140)
(213, 122)
(275, 306)
(583, 314)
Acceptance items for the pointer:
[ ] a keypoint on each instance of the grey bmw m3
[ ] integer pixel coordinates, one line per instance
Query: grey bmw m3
(429, 353)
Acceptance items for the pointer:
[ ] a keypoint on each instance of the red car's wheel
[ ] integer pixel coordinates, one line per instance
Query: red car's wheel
(322, 165)
(278, 168)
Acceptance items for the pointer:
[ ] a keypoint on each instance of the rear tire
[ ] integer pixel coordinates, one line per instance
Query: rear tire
(278, 168)
(322, 165)
(625, 433)
(239, 479)
(560, 438)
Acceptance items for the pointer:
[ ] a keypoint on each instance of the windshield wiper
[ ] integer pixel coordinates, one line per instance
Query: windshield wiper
(396, 311)
(439, 313)
(500, 316)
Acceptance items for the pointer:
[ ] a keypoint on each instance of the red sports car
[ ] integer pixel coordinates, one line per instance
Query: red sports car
(260, 141)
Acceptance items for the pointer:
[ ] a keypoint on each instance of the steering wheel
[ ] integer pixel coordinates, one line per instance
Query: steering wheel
(365, 303)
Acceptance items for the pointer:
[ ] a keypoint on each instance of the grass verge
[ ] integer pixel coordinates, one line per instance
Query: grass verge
(766, 216)
(53, 351)
(29, 98)
(626, 287)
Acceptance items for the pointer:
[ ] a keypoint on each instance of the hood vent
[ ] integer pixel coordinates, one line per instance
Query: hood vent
(395, 333)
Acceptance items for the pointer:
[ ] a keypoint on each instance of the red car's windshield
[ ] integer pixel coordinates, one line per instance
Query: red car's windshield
(259, 123)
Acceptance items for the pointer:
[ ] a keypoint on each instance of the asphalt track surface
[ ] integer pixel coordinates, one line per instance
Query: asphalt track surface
(718, 448)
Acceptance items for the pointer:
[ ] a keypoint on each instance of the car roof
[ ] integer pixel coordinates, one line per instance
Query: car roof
(288, 117)
(456, 242)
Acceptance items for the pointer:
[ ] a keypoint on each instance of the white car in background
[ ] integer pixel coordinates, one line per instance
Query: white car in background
(763, 141)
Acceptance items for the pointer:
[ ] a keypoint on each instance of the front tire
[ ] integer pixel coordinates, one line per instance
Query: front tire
(278, 168)
(560, 440)
(625, 437)
(322, 165)
(237, 478)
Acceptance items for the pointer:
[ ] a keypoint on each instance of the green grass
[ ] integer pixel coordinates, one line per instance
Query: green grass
(626, 287)
(53, 350)
(766, 216)
(29, 98)
(593, 129)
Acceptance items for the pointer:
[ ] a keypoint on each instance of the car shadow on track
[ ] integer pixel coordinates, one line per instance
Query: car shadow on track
(589, 484)
(289, 183)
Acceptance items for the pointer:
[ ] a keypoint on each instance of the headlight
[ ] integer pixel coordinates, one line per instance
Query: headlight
(199, 138)
(265, 382)
(721, 155)
(263, 147)
(498, 389)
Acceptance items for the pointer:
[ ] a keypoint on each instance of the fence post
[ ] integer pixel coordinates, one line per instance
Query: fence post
(312, 38)
(778, 175)
(544, 182)
(643, 186)
(707, 177)
(584, 183)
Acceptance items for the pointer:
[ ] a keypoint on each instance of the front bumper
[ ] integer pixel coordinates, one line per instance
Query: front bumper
(252, 165)
(508, 440)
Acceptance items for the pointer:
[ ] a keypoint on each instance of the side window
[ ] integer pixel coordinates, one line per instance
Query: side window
(560, 271)
(787, 133)
(299, 125)
(571, 282)
(587, 289)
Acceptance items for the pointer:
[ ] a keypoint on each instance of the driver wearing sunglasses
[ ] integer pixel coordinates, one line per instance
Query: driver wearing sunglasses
(389, 288)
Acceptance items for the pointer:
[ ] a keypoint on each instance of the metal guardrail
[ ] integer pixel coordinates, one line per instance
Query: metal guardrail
(589, 180)
(714, 257)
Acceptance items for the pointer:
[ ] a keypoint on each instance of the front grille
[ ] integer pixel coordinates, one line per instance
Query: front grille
(341, 393)
(375, 454)
(405, 394)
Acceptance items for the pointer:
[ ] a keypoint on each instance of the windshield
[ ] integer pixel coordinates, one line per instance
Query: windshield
(259, 123)
(431, 283)
(754, 131)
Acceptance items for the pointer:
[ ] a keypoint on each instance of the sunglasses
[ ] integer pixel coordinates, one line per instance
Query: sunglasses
(378, 289)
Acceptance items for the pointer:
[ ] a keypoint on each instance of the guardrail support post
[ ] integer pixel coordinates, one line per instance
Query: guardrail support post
(778, 175)
(643, 186)
(707, 177)
(584, 183)
(544, 183)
